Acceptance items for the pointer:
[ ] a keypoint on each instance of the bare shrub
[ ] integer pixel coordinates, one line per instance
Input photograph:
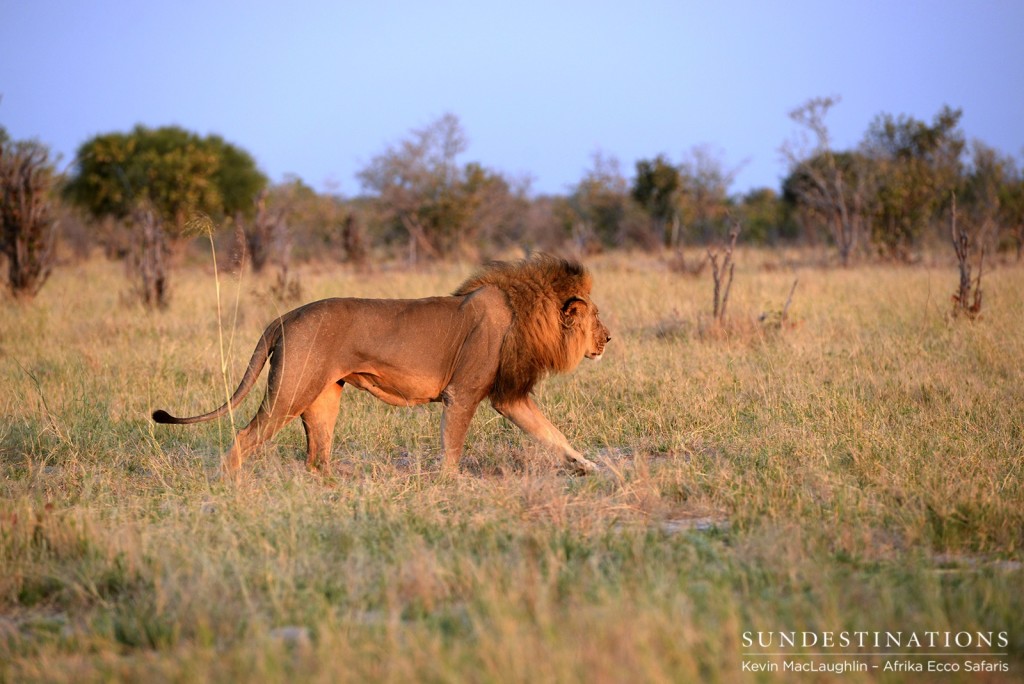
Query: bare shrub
(831, 188)
(967, 298)
(722, 273)
(27, 222)
(262, 234)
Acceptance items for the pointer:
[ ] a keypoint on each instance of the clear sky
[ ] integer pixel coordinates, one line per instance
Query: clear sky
(317, 88)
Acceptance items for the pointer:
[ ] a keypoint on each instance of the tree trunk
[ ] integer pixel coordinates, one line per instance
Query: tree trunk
(149, 259)
(354, 241)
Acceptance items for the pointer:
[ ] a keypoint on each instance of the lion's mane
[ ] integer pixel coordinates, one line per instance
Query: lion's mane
(538, 340)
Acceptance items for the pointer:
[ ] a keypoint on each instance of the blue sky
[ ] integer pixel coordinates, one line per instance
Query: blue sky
(318, 88)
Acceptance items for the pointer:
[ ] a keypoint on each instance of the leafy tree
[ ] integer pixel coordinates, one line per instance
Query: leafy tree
(602, 211)
(918, 167)
(167, 169)
(983, 191)
(156, 180)
(1011, 207)
(237, 178)
(656, 187)
(762, 214)
(27, 223)
(175, 171)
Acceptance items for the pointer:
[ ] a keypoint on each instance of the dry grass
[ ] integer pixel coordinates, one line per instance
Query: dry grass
(857, 468)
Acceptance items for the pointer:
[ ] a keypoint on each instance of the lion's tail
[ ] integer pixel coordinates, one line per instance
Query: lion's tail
(256, 362)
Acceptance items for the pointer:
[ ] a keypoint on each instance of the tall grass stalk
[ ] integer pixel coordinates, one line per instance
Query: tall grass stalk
(206, 226)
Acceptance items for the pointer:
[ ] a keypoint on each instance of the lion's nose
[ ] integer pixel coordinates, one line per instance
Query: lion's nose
(607, 339)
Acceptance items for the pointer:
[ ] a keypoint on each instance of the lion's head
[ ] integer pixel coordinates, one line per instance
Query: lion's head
(554, 322)
(585, 328)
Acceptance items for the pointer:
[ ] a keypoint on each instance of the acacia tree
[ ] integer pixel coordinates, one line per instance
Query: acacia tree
(27, 223)
(835, 188)
(155, 180)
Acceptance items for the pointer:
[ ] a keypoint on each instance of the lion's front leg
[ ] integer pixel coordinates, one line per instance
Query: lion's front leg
(527, 416)
(458, 412)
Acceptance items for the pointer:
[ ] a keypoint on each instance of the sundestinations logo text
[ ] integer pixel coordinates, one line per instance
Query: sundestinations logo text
(844, 651)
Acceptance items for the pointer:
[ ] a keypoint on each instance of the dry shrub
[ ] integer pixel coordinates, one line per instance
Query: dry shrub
(723, 273)
(967, 298)
(27, 221)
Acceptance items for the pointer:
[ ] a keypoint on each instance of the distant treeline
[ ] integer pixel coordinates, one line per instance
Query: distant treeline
(141, 194)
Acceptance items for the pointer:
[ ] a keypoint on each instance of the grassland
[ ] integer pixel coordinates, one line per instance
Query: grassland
(858, 469)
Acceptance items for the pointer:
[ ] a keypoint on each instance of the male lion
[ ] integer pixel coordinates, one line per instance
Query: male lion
(496, 336)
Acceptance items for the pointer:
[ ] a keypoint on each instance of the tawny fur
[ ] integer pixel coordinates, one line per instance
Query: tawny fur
(502, 330)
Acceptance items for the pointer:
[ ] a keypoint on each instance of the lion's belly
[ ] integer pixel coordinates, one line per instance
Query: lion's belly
(408, 394)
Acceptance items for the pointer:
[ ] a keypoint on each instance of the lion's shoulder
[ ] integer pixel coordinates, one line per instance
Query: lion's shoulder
(535, 290)
(489, 305)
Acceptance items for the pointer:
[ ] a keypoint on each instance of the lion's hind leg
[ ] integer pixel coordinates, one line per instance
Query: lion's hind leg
(318, 420)
(285, 399)
(262, 427)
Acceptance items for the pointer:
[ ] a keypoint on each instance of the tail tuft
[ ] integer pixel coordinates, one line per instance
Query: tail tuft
(161, 416)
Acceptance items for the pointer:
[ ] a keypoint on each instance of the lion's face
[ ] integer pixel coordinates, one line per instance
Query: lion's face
(598, 338)
(583, 320)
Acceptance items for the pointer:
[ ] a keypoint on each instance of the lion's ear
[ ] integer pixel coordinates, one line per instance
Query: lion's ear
(573, 310)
